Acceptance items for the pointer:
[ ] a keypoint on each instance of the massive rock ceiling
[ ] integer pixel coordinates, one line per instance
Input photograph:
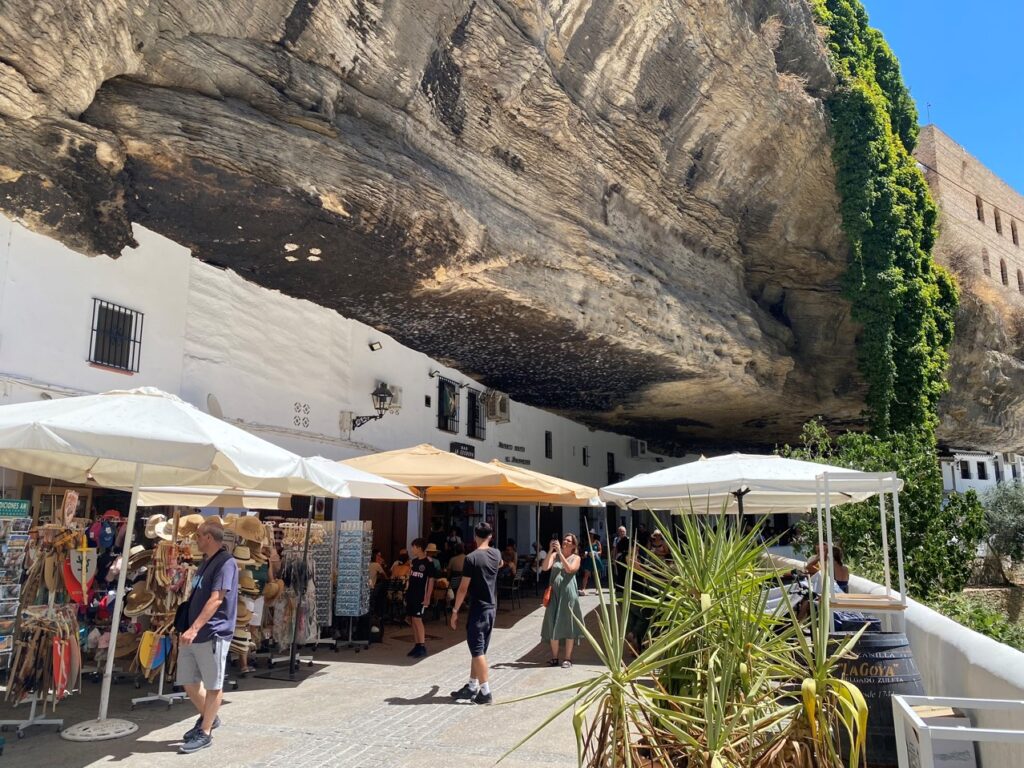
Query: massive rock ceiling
(622, 211)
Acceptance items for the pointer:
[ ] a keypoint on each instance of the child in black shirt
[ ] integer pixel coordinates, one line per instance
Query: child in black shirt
(418, 594)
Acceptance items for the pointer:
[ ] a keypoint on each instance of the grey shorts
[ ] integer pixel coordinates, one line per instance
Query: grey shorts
(203, 663)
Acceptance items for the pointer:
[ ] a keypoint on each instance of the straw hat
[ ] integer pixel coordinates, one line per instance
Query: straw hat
(151, 524)
(243, 556)
(194, 551)
(127, 645)
(250, 527)
(431, 549)
(140, 557)
(241, 642)
(189, 524)
(230, 521)
(244, 617)
(246, 583)
(138, 600)
(272, 589)
(256, 548)
(164, 530)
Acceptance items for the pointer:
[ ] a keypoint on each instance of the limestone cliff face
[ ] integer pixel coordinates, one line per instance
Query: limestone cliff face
(624, 210)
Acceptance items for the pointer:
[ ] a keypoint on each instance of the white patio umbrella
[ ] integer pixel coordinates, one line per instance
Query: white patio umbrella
(144, 436)
(741, 483)
(766, 484)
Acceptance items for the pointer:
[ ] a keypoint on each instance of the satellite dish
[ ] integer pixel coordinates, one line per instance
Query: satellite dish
(213, 406)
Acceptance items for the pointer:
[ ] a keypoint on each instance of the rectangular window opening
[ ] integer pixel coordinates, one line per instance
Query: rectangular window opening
(965, 470)
(586, 456)
(982, 471)
(476, 423)
(549, 448)
(116, 340)
(447, 405)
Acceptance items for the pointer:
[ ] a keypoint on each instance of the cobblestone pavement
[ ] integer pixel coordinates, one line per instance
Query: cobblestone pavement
(374, 708)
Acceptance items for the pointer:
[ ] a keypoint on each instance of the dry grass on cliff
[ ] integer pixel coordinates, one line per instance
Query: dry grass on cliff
(771, 32)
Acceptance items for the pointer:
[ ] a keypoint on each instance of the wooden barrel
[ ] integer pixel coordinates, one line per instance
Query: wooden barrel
(884, 665)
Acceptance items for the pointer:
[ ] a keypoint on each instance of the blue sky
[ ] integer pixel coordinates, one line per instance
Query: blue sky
(967, 60)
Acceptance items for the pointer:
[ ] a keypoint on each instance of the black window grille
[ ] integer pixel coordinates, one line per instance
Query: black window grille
(476, 426)
(549, 448)
(447, 405)
(116, 336)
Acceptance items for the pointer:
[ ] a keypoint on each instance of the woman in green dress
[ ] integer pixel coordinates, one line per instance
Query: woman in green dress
(563, 616)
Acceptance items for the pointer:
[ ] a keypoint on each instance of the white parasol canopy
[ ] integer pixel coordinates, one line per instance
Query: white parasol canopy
(131, 438)
(744, 483)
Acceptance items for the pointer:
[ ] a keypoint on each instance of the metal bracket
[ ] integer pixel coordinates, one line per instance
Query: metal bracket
(358, 421)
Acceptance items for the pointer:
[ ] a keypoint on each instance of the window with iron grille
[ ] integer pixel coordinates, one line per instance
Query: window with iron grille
(116, 336)
(447, 405)
(476, 426)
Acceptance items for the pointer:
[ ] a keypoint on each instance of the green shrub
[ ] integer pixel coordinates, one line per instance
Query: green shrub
(974, 613)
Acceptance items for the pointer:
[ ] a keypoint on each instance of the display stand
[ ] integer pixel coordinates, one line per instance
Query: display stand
(293, 655)
(32, 719)
(168, 698)
(352, 600)
(351, 643)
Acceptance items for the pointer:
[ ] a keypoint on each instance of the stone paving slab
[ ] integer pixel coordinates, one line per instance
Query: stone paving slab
(375, 708)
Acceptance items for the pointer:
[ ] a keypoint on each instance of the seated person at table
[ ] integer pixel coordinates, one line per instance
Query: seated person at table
(840, 573)
(507, 569)
(455, 562)
(401, 568)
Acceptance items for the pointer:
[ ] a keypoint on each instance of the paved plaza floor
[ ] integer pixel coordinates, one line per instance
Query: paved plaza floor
(375, 708)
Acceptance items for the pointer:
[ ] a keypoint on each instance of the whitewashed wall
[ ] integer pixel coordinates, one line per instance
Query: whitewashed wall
(259, 352)
(46, 299)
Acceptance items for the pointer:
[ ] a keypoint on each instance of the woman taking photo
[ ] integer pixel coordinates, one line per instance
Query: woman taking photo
(563, 611)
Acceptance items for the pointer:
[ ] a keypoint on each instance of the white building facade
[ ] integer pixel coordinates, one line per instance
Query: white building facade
(286, 369)
(980, 471)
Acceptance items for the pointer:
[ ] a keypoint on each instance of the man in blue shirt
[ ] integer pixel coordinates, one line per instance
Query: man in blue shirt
(203, 647)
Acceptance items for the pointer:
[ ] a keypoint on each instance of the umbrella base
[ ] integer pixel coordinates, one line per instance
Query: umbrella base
(99, 730)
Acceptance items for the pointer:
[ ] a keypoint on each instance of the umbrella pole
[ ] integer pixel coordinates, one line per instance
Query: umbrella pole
(101, 728)
(292, 662)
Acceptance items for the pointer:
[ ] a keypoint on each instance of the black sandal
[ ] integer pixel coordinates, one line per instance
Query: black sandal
(553, 663)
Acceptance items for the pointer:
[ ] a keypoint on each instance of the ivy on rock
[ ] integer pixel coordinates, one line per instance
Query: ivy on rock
(904, 302)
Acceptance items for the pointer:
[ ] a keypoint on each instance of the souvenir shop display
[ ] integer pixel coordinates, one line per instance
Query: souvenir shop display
(15, 522)
(352, 600)
(47, 664)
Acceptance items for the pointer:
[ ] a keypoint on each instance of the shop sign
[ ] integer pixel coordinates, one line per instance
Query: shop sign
(517, 460)
(465, 450)
(15, 508)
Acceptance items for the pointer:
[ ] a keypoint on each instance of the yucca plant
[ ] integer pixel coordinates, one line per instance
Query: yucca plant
(721, 683)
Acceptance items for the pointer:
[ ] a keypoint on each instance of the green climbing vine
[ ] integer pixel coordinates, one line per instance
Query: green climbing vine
(903, 300)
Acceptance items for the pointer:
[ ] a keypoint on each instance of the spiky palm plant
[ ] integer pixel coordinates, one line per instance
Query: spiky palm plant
(721, 683)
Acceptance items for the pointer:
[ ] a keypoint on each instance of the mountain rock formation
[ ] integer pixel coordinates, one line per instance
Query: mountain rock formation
(624, 211)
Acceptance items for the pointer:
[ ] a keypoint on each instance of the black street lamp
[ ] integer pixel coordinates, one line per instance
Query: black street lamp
(382, 397)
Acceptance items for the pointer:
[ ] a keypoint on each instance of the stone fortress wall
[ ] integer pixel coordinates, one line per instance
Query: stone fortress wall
(981, 218)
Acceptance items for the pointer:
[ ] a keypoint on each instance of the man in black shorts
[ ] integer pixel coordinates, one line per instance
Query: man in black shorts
(479, 582)
(418, 594)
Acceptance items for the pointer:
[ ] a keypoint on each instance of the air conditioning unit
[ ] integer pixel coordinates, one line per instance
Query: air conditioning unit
(637, 448)
(497, 406)
(396, 395)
